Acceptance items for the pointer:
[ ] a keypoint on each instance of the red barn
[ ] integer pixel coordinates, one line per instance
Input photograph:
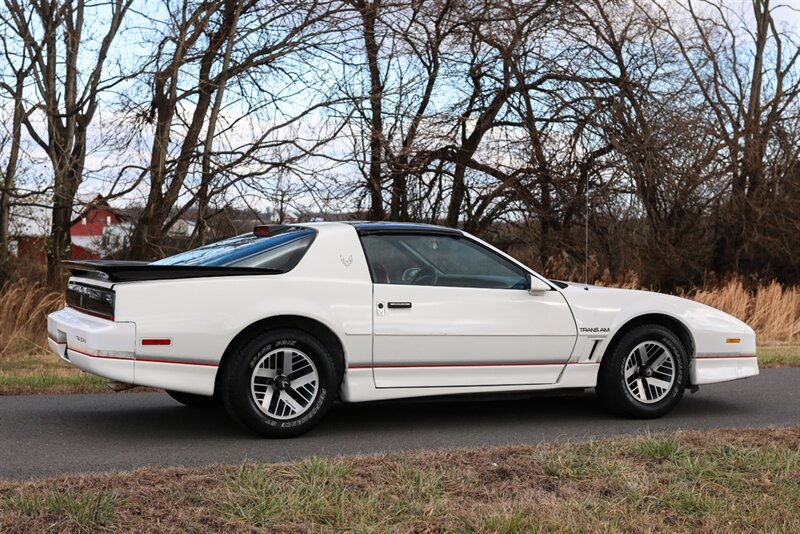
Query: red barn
(90, 234)
(87, 235)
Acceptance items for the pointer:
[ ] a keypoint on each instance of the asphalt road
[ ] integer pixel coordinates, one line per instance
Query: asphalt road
(49, 435)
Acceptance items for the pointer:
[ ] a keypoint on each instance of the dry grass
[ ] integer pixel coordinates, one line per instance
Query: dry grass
(23, 315)
(772, 310)
(719, 481)
(560, 267)
(26, 365)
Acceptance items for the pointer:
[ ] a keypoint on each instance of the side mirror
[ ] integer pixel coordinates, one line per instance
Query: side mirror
(537, 286)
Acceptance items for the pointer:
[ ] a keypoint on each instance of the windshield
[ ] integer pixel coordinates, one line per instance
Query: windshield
(281, 251)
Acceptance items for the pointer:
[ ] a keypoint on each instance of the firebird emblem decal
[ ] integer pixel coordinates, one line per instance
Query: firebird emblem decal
(346, 261)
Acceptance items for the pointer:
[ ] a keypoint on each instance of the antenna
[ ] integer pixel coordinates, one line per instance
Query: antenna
(586, 237)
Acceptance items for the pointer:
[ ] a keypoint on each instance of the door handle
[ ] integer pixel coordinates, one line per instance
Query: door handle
(399, 305)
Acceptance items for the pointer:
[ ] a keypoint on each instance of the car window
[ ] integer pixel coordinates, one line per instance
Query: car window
(437, 260)
(282, 257)
(281, 251)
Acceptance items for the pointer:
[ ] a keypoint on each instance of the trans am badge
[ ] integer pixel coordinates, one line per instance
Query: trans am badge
(346, 261)
(594, 330)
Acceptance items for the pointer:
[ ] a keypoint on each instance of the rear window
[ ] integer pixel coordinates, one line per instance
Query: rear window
(281, 251)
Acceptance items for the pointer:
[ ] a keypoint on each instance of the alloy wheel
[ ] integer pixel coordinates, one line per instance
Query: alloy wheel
(284, 383)
(650, 372)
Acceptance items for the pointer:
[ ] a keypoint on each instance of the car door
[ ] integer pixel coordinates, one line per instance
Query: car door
(448, 311)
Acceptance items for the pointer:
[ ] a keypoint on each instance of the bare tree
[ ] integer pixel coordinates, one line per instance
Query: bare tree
(677, 120)
(402, 44)
(638, 110)
(19, 67)
(747, 76)
(200, 154)
(67, 95)
(369, 10)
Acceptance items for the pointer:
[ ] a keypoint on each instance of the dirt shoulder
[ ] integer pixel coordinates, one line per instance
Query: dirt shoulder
(42, 373)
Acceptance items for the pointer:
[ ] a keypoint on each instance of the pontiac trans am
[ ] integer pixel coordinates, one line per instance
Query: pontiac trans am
(276, 324)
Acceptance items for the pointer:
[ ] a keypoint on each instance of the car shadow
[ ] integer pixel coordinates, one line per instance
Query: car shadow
(473, 411)
(153, 422)
(570, 412)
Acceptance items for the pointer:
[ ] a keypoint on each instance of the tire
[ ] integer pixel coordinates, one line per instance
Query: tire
(265, 397)
(629, 389)
(194, 401)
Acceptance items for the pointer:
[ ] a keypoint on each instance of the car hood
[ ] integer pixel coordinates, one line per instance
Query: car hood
(602, 310)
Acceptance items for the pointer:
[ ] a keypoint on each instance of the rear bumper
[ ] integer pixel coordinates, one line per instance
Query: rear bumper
(712, 369)
(108, 349)
(98, 346)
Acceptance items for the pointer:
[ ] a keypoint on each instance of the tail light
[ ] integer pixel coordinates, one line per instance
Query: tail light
(268, 230)
(92, 300)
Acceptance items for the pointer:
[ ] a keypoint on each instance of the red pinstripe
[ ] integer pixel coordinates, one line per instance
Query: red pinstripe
(137, 359)
(454, 365)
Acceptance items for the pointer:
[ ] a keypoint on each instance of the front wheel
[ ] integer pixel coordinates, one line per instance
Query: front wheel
(280, 384)
(645, 374)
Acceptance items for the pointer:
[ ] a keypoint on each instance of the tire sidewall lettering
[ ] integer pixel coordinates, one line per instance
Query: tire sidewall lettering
(245, 406)
(289, 343)
(612, 385)
(308, 415)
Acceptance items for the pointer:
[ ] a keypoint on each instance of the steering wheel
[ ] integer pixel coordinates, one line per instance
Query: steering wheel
(409, 274)
(426, 276)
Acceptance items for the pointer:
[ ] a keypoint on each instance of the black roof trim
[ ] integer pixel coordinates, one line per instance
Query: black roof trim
(372, 228)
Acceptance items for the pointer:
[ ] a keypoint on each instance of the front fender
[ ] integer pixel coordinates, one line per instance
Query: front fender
(601, 313)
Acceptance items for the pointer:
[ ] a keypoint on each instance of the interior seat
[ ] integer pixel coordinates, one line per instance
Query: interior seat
(379, 273)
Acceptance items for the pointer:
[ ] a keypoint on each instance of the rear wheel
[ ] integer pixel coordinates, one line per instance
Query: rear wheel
(645, 374)
(280, 384)
(194, 401)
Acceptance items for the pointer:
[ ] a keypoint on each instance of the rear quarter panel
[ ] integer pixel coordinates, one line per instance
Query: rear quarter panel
(201, 316)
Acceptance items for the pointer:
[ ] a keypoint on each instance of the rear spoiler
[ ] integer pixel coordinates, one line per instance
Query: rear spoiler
(131, 271)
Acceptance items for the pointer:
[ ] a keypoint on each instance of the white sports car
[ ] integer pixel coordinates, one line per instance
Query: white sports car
(277, 323)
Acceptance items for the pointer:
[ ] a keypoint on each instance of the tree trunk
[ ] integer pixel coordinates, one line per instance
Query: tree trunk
(369, 14)
(399, 203)
(7, 191)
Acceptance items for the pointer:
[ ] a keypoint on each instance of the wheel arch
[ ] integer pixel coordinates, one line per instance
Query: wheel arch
(311, 326)
(667, 321)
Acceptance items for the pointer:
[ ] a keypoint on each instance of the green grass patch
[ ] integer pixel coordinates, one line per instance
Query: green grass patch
(660, 448)
(88, 511)
(516, 521)
(37, 372)
(33, 384)
(779, 356)
(326, 492)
